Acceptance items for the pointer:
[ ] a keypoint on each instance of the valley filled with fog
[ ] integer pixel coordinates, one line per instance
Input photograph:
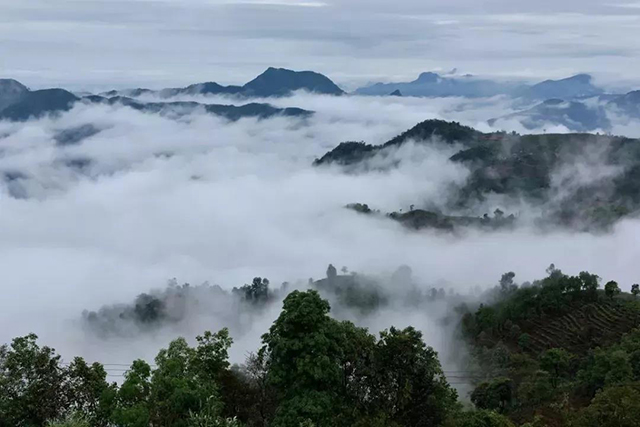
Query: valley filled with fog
(146, 198)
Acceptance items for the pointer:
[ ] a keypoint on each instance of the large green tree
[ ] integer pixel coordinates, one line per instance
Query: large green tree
(33, 389)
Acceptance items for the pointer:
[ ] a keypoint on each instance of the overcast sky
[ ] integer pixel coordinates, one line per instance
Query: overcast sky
(104, 43)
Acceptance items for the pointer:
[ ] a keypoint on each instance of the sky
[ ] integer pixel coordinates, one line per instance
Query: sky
(97, 44)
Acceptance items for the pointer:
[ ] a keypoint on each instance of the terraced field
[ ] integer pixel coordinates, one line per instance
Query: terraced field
(587, 326)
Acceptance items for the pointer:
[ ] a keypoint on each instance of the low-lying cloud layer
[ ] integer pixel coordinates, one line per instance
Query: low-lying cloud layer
(150, 198)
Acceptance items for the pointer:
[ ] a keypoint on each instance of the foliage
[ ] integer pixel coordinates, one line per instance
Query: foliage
(75, 419)
(611, 289)
(612, 407)
(483, 418)
(32, 384)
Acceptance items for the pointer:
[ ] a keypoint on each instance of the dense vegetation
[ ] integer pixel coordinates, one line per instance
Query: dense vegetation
(541, 170)
(559, 351)
(311, 370)
(420, 218)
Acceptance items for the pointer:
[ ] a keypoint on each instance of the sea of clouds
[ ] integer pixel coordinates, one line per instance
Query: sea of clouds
(200, 199)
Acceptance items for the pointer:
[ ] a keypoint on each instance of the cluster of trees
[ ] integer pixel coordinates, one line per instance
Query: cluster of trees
(314, 370)
(311, 370)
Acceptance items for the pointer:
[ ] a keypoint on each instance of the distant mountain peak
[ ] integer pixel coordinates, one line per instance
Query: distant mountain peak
(11, 84)
(282, 82)
(428, 77)
(583, 78)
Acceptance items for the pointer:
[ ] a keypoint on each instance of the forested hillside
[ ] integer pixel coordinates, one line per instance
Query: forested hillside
(580, 181)
(556, 352)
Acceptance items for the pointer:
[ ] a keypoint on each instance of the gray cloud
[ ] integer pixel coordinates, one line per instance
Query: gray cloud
(95, 43)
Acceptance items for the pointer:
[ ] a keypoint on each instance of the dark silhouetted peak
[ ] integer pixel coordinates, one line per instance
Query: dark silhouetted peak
(553, 101)
(396, 93)
(352, 153)
(282, 82)
(428, 77)
(449, 132)
(347, 153)
(39, 103)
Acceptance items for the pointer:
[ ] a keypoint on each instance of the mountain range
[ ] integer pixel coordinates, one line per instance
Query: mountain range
(575, 103)
(434, 85)
(274, 82)
(18, 103)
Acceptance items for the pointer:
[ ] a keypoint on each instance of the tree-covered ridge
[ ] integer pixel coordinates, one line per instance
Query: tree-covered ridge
(584, 181)
(560, 351)
(418, 219)
(352, 153)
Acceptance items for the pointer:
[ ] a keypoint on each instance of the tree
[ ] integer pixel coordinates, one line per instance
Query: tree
(482, 418)
(612, 407)
(611, 289)
(32, 384)
(524, 341)
(506, 282)
(303, 353)
(132, 400)
(556, 361)
(409, 385)
(89, 392)
(590, 283)
(635, 290)
(185, 381)
(257, 292)
(332, 273)
(493, 395)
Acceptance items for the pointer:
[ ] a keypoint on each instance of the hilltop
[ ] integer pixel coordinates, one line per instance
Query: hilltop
(520, 168)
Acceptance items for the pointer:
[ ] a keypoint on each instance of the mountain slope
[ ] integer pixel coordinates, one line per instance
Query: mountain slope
(539, 170)
(10, 92)
(578, 86)
(628, 104)
(230, 112)
(575, 116)
(433, 85)
(351, 153)
(39, 103)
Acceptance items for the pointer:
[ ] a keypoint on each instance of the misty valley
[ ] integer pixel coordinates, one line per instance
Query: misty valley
(451, 251)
